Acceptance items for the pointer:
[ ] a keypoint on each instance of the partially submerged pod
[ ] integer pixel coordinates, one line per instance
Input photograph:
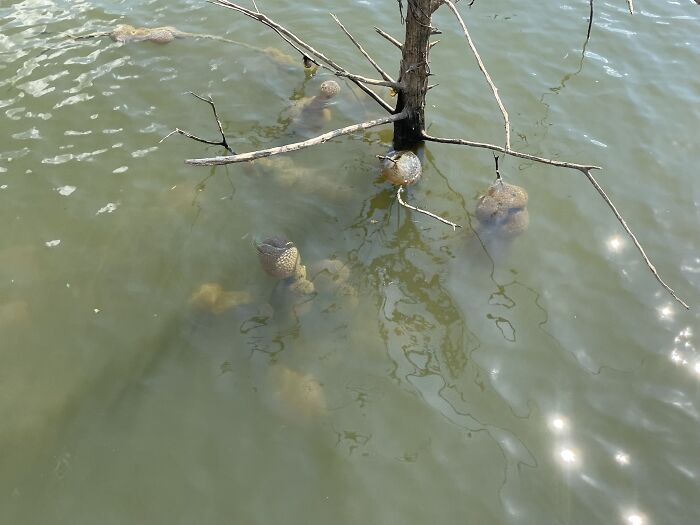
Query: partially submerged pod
(279, 257)
(401, 167)
(503, 208)
(213, 298)
(314, 111)
(160, 35)
(328, 89)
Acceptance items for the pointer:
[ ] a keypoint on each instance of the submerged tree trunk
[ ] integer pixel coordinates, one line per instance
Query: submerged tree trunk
(413, 75)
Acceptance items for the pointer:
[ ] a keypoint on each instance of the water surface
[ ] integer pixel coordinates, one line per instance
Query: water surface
(546, 381)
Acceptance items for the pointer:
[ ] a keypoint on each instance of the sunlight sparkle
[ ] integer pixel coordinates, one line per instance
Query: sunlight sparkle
(635, 519)
(622, 458)
(615, 243)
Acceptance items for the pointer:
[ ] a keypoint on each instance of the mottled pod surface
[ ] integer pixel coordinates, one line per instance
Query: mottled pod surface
(160, 35)
(329, 89)
(504, 208)
(401, 167)
(278, 256)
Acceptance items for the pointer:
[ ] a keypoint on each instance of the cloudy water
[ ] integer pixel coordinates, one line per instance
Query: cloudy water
(152, 372)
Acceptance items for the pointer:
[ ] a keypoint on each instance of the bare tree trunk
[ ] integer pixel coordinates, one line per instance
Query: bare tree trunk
(413, 75)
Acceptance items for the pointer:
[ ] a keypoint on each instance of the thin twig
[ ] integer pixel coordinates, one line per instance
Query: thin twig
(630, 6)
(280, 30)
(373, 81)
(431, 44)
(187, 134)
(424, 212)
(621, 220)
(245, 157)
(494, 89)
(385, 157)
(527, 156)
(586, 170)
(590, 25)
(389, 37)
(383, 73)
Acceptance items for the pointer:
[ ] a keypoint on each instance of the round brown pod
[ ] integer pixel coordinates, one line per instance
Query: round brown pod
(329, 89)
(401, 167)
(278, 256)
(504, 208)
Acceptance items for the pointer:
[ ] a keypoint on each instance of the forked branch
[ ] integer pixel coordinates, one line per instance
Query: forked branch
(308, 50)
(187, 134)
(245, 157)
(494, 89)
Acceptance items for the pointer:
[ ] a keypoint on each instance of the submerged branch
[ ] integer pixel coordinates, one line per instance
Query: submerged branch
(424, 212)
(494, 89)
(306, 49)
(245, 157)
(187, 134)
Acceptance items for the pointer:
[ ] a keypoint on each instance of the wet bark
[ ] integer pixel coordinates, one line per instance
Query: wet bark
(414, 74)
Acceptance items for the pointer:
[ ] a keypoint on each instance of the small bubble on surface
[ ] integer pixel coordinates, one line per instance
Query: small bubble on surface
(53, 243)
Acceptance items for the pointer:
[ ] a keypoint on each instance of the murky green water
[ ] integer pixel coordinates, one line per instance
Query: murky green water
(547, 381)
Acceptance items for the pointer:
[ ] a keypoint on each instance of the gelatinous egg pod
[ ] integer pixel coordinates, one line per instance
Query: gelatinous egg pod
(329, 89)
(278, 256)
(401, 167)
(503, 207)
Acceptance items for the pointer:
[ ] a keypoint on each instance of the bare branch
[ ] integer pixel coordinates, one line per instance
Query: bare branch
(245, 157)
(291, 38)
(389, 37)
(430, 46)
(621, 220)
(586, 170)
(560, 164)
(383, 73)
(630, 6)
(187, 134)
(494, 89)
(424, 212)
(373, 81)
(379, 100)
